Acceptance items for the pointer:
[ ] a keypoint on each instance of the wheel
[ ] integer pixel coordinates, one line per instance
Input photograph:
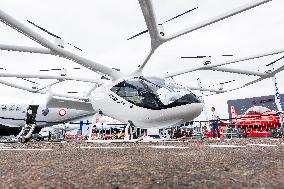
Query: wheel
(274, 133)
(23, 140)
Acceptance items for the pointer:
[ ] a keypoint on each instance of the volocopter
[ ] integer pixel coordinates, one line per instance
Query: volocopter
(134, 98)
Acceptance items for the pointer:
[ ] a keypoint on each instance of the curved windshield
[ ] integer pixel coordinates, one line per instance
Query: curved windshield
(257, 110)
(154, 93)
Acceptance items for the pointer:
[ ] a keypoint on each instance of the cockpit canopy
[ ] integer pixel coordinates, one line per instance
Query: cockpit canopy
(257, 110)
(154, 93)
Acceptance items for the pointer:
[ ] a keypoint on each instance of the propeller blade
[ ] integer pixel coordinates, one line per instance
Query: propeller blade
(52, 34)
(56, 69)
(180, 15)
(75, 47)
(145, 31)
(225, 55)
(275, 61)
(29, 81)
(193, 56)
(222, 83)
(104, 77)
(45, 30)
(117, 69)
(227, 82)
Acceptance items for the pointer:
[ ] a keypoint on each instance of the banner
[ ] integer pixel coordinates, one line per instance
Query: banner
(276, 94)
(84, 127)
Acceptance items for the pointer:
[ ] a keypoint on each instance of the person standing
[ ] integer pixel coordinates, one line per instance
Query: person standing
(214, 123)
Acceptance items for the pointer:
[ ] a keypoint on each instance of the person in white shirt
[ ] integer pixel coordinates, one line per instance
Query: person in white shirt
(214, 123)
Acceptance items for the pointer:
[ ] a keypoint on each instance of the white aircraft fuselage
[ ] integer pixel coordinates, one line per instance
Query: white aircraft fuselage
(12, 117)
(146, 101)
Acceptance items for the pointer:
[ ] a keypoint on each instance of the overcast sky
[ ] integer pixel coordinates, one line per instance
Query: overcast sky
(101, 27)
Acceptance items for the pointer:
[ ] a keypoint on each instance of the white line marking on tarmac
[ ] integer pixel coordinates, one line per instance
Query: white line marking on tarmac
(27, 149)
(263, 145)
(102, 147)
(167, 141)
(169, 147)
(225, 146)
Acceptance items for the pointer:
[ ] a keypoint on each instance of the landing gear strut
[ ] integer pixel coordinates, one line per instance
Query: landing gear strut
(26, 132)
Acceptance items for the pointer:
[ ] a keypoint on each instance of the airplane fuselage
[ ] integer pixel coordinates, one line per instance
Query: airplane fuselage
(146, 102)
(12, 117)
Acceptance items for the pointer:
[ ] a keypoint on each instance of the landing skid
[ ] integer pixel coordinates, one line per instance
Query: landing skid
(26, 133)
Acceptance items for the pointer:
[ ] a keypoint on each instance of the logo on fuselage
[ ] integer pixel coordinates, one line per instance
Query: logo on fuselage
(62, 112)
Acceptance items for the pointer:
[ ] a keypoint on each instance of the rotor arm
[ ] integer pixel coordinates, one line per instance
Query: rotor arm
(56, 50)
(210, 66)
(245, 85)
(146, 59)
(25, 49)
(19, 87)
(221, 17)
(83, 98)
(49, 85)
(150, 19)
(271, 74)
(238, 71)
(218, 91)
(40, 92)
(21, 28)
(60, 78)
(157, 39)
(205, 89)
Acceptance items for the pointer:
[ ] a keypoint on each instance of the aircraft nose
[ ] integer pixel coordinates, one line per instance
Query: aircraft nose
(200, 107)
(194, 111)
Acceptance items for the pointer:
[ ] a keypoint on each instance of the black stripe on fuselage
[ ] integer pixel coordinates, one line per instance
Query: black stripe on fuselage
(6, 131)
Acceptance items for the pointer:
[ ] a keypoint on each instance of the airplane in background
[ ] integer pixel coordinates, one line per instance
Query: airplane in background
(12, 117)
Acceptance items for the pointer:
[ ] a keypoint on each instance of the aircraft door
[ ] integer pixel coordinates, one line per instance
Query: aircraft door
(31, 114)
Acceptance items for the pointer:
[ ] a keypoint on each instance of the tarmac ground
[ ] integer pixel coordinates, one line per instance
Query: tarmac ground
(236, 163)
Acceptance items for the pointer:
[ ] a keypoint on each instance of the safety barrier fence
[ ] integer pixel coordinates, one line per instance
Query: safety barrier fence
(229, 127)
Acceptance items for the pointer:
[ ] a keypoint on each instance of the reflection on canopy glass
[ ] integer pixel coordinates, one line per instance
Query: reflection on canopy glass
(154, 93)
